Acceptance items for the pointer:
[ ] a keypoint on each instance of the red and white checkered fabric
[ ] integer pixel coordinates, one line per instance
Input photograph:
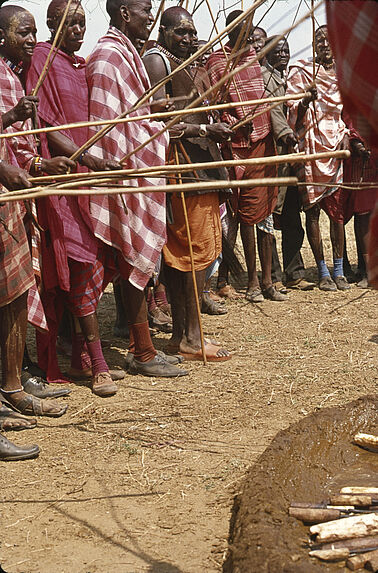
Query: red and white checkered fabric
(21, 151)
(245, 85)
(117, 79)
(352, 29)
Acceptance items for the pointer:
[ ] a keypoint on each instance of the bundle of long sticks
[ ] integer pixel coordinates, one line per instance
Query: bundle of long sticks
(345, 528)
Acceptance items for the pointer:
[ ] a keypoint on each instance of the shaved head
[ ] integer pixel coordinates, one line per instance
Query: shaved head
(7, 13)
(172, 15)
(57, 7)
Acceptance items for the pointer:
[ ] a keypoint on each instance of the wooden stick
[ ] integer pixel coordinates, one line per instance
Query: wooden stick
(37, 192)
(249, 118)
(106, 176)
(220, 82)
(45, 68)
(359, 489)
(350, 527)
(330, 555)
(192, 266)
(153, 116)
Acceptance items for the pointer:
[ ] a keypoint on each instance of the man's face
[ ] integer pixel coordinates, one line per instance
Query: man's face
(179, 37)
(258, 39)
(20, 38)
(279, 56)
(74, 30)
(322, 47)
(140, 20)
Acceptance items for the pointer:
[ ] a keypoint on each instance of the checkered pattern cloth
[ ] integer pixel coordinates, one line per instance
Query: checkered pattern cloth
(21, 151)
(352, 29)
(117, 79)
(322, 128)
(16, 273)
(245, 85)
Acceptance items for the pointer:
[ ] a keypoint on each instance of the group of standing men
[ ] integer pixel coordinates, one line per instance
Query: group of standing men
(84, 242)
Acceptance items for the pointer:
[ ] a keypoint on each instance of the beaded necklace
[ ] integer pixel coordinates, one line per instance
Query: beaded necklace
(169, 55)
(16, 68)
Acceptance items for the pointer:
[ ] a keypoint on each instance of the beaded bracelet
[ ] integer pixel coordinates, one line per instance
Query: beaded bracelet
(37, 164)
(80, 158)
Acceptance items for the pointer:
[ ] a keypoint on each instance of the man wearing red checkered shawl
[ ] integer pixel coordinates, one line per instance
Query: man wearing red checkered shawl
(320, 128)
(21, 153)
(254, 139)
(353, 35)
(133, 224)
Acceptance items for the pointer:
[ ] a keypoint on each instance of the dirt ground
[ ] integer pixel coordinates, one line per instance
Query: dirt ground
(145, 481)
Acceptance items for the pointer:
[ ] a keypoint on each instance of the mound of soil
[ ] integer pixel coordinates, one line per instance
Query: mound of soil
(306, 462)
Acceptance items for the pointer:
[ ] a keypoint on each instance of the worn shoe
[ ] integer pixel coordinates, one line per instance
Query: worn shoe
(326, 284)
(170, 358)
(272, 294)
(280, 287)
(210, 306)
(228, 291)
(363, 283)
(341, 283)
(9, 452)
(300, 284)
(39, 388)
(254, 295)
(157, 319)
(102, 385)
(158, 366)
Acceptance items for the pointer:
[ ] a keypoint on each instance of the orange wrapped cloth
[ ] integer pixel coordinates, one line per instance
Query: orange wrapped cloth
(205, 229)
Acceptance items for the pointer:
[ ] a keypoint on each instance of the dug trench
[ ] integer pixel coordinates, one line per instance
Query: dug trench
(309, 461)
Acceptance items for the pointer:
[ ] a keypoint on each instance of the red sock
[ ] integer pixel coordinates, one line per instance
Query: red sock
(80, 359)
(97, 357)
(140, 342)
(151, 304)
(160, 297)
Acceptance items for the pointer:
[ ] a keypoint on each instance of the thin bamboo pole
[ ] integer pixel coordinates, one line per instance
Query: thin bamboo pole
(192, 266)
(154, 116)
(37, 192)
(198, 100)
(101, 176)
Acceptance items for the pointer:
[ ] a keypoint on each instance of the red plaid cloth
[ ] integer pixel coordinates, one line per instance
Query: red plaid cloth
(245, 85)
(21, 151)
(352, 29)
(16, 272)
(117, 79)
(322, 129)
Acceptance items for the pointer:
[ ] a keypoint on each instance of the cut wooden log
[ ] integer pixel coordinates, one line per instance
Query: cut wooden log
(357, 490)
(372, 564)
(367, 441)
(361, 500)
(330, 554)
(314, 515)
(350, 527)
(359, 544)
(358, 562)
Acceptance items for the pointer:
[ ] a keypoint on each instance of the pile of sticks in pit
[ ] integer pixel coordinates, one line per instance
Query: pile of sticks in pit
(346, 528)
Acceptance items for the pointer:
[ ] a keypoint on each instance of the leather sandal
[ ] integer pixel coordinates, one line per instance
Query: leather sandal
(31, 406)
(211, 307)
(10, 420)
(254, 295)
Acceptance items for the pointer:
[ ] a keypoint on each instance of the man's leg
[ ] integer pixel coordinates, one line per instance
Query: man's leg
(337, 240)
(121, 325)
(229, 233)
(292, 241)
(264, 244)
(13, 323)
(361, 228)
(316, 244)
(145, 359)
(249, 245)
(175, 286)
